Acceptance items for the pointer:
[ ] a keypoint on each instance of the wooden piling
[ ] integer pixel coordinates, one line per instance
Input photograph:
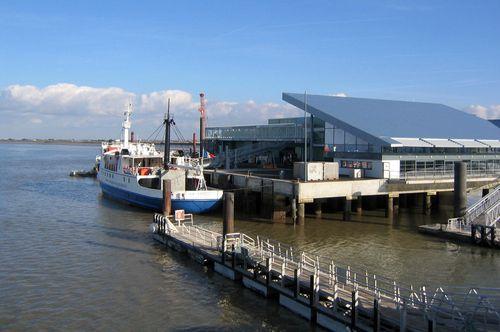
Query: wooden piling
(228, 218)
(167, 197)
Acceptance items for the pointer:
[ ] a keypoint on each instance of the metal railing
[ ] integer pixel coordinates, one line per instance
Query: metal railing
(489, 206)
(492, 215)
(272, 132)
(482, 205)
(467, 308)
(241, 154)
(446, 174)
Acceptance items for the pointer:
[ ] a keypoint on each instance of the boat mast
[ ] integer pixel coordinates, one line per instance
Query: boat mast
(126, 124)
(202, 124)
(167, 121)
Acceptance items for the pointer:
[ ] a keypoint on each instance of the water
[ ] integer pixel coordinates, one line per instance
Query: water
(71, 259)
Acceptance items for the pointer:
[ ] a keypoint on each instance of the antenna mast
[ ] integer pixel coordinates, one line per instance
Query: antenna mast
(126, 124)
(167, 122)
(203, 119)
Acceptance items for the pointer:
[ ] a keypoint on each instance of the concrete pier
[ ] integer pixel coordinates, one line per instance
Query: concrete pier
(275, 194)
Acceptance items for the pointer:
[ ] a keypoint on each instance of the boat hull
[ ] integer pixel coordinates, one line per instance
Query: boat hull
(154, 203)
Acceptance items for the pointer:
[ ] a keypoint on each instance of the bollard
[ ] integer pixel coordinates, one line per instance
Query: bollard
(312, 299)
(268, 275)
(167, 197)
(376, 316)
(431, 325)
(296, 284)
(233, 257)
(460, 189)
(354, 303)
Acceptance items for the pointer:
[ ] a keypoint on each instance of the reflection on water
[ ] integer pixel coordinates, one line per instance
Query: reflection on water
(70, 259)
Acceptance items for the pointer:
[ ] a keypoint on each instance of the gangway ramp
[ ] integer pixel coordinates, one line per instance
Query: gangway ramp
(330, 294)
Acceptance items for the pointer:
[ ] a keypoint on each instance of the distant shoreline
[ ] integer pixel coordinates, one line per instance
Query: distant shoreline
(69, 142)
(50, 141)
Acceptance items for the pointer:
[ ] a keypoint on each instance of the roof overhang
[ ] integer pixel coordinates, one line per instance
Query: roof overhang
(335, 121)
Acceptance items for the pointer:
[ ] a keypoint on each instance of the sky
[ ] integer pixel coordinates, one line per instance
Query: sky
(67, 68)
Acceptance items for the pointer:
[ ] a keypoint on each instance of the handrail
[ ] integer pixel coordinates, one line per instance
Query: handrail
(458, 305)
(482, 205)
(493, 214)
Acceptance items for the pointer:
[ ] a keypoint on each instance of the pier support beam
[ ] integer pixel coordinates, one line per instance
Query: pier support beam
(460, 189)
(428, 202)
(293, 204)
(389, 209)
(317, 208)
(347, 209)
(279, 208)
(359, 205)
(301, 213)
(167, 197)
(403, 200)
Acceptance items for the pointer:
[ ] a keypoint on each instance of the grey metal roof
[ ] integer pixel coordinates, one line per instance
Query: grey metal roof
(374, 119)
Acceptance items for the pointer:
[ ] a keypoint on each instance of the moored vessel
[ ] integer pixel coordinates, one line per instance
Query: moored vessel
(133, 172)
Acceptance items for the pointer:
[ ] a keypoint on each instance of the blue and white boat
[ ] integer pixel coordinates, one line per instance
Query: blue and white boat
(133, 172)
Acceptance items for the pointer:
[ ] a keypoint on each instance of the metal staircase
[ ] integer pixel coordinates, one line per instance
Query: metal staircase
(485, 212)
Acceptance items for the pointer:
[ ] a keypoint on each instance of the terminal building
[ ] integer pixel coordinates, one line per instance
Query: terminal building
(369, 138)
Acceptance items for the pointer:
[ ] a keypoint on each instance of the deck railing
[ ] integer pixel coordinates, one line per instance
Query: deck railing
(402, 304)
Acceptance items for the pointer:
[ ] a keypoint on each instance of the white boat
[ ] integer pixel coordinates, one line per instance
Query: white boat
(134, 172)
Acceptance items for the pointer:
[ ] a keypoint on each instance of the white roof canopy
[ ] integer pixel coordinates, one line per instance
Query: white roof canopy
(494, 143)
(469, 143)
(410, 142)
(442, 143)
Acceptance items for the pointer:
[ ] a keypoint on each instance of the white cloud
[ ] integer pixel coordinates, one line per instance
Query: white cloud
(64, 98)
(485, 112)
(338, 94)
(68, 110)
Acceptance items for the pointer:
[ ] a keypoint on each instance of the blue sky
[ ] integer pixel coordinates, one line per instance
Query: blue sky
(438, 51)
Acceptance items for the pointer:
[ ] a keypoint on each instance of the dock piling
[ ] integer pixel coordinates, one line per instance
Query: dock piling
(460, 189)
(228, 222)
(167, 196)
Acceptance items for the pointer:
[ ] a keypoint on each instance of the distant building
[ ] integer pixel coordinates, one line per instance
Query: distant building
(384, 138)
